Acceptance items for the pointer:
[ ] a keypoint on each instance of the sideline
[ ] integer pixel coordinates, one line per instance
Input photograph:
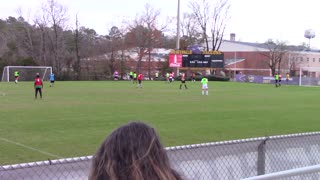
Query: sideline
(30, 148)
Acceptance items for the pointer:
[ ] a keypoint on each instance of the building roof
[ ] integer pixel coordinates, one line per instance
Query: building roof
(239, 46)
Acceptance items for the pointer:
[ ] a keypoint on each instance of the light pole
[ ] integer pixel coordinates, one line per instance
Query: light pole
(235, 65)
(178, 31)
(178, 27)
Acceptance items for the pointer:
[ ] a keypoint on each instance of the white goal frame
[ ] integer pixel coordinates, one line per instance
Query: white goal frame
(7, 68)
(310, 70)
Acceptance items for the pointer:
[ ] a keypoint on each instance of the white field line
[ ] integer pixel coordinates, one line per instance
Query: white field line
(30, 148)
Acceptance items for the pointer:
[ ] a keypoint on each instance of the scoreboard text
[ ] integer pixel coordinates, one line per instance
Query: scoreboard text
(211, 59)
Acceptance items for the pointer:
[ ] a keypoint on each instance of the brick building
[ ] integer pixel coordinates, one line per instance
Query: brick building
(248, 58)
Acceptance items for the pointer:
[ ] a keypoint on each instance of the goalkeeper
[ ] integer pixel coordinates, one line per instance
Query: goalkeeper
(16, 76)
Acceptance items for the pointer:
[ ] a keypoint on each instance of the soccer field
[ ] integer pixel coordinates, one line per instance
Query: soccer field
(73, 118)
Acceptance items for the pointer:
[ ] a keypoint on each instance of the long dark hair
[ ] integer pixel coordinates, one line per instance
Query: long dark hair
(132, 152)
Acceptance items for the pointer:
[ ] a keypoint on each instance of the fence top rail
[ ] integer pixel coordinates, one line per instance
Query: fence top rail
(42, 163)
(28, 66)
(192, 146)
(287, 173)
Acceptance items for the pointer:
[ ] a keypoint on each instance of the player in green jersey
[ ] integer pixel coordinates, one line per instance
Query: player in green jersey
(204, 82)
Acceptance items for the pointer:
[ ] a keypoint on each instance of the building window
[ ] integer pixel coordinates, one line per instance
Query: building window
(307, 59)
(314, 59)
(319, 59)
(301, 59)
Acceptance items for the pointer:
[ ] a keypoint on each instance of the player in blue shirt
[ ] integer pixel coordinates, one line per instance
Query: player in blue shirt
(51, 78)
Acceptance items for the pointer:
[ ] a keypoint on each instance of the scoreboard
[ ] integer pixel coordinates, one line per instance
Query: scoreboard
(208, 59)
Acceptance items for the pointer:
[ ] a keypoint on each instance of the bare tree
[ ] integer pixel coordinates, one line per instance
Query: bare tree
(191, 33)
(211, 16)
(275, 55)
(145, 34)
(201, 12)
(77, 42)
(28, 38)
(41, 23)
(292, 60)
(115, 37)
(57, 17)
(219, 17)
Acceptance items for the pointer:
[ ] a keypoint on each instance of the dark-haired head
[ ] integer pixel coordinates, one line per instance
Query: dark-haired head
(132, 152)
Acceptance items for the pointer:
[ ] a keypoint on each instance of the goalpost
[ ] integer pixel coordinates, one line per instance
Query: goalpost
(309, 76)
(26, 73)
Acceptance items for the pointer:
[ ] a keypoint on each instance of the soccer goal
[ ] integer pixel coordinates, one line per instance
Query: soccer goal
(26, 73)
(309, 76)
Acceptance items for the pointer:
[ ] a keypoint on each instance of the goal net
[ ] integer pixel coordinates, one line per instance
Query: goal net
(309, 76)
(26, 73)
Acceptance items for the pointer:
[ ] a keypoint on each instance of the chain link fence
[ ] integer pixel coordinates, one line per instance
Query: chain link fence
(236, 159)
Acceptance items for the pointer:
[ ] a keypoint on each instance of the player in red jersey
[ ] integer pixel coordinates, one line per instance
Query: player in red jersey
(38, 85)
(140, 78)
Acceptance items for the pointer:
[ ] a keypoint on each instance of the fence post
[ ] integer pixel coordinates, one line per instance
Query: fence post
(261, 162)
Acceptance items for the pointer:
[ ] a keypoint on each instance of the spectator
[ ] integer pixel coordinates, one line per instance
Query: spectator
(132, 152)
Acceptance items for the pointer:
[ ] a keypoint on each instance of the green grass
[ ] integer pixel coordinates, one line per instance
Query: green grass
(73, 118)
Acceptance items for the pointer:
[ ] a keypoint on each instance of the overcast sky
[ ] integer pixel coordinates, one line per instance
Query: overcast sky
(251, 20)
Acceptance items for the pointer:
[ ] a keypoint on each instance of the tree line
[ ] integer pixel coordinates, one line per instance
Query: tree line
(46, 39)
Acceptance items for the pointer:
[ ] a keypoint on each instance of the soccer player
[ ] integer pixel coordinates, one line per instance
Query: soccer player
(38, 85)
(183, 81)
(134, 77)
(287, 78)
(167, 77)
(280, 78)
(140, 78)
(131, 76)
(157, 75)
(193, 77)
(276, 79)
(170, 77)
(16, 75)
(51, 78)
(204, 82)
(115, 75)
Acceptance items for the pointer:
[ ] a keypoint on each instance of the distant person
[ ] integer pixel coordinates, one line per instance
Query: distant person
(132, 152)
(38, 85)
(140, 78)
(170, 77)
(16, 76)
(167, 77)
(287, 78)
(115, 75)
(276, 79)
(280, 78)
(157, 76)
(173, 75)
(183, 81)
(134, 77)
(51, 79)
(193, 77)
(204, 82)
(131, 76)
